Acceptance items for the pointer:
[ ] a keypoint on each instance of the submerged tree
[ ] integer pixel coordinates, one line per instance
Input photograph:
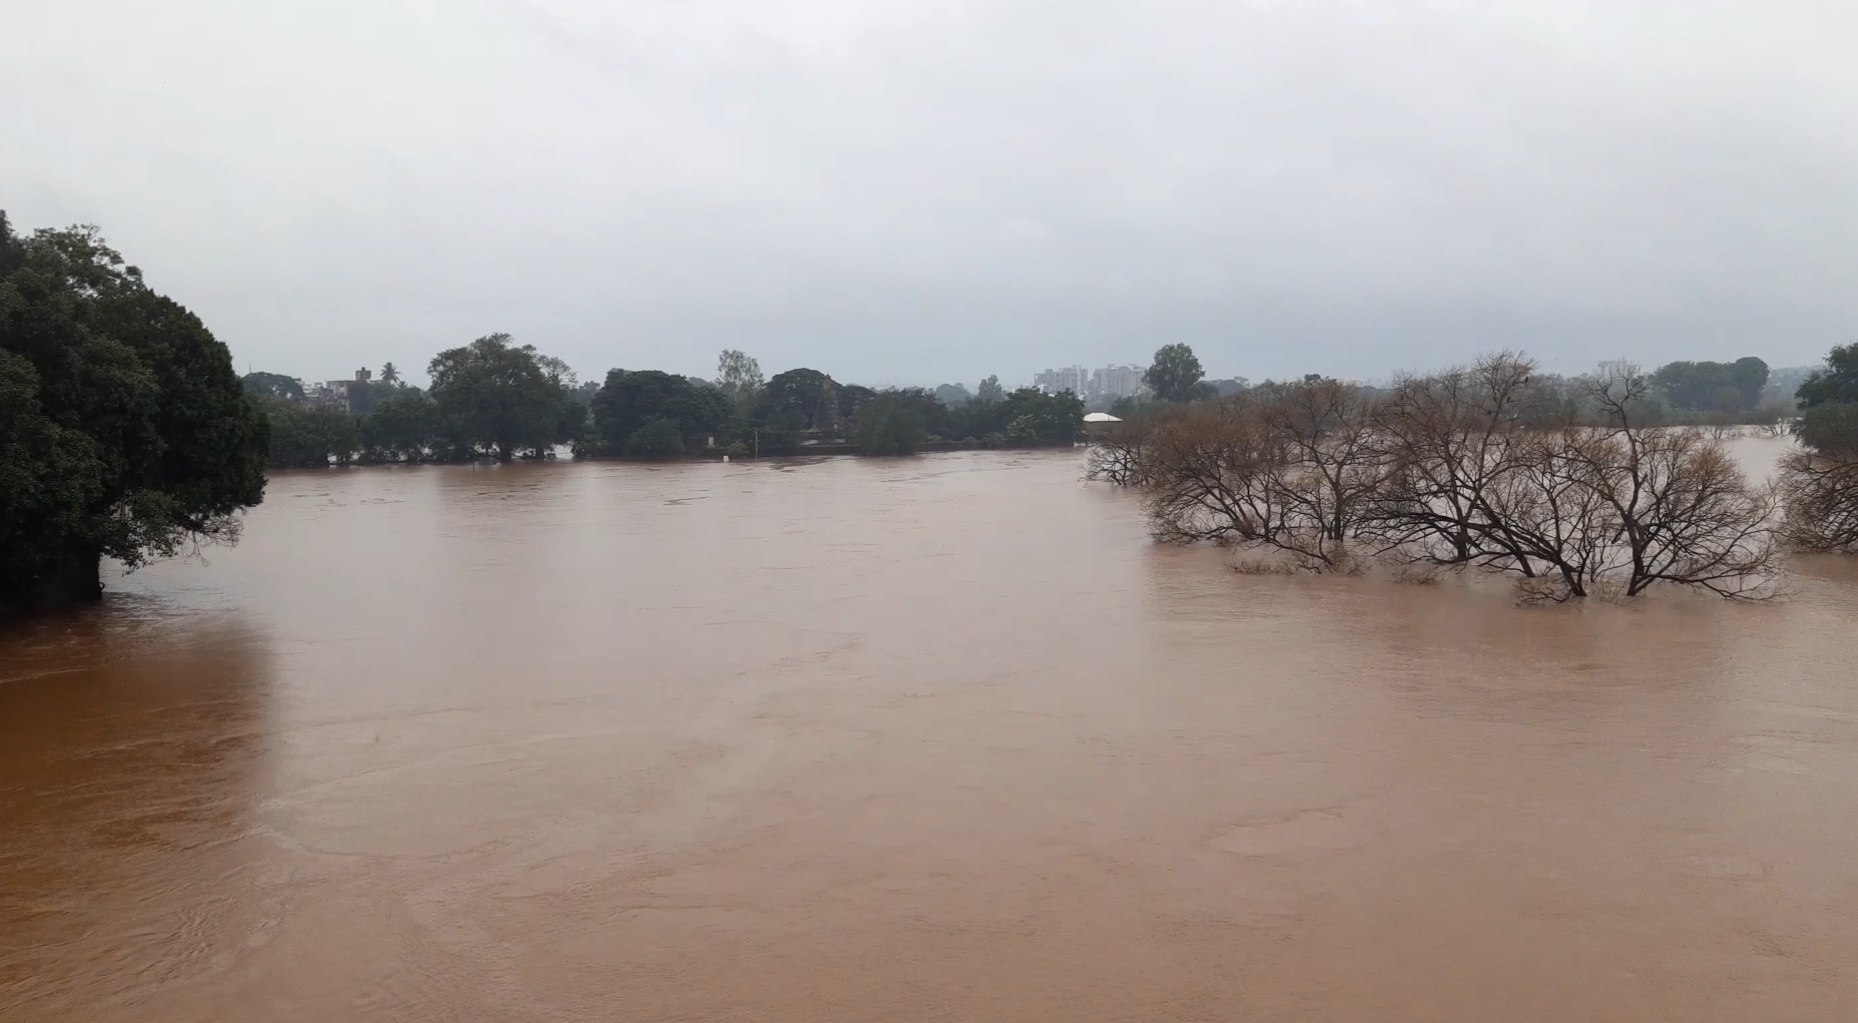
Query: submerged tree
(124, 430)
(1475, 467)
(893, 422)
(629, 400)
(1819, 484)
(303, 437)
(500, 398)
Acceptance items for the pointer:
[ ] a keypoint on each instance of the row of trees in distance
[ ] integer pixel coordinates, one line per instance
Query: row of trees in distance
(1701, 393)
(495, 399)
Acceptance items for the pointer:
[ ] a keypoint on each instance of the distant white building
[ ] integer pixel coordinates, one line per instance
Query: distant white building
(1116, 382)
(1075, 379)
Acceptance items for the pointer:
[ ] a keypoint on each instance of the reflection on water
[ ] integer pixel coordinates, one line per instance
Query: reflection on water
(932, 738)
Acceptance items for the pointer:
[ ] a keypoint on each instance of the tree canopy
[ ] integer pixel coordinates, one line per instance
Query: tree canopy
(660, 438)
(891, 423)
(500, 398)
(738, 376)
(1730, 387)
(1027, 414)
(1837, 383)
(805, 398)
(631, 400)
(259, 386)
(124, 430)
(1175, 373)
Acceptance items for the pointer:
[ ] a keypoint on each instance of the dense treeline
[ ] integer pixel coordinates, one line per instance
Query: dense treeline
(492, 399)
(123, 431)
(1573, 486)
(1819, 483)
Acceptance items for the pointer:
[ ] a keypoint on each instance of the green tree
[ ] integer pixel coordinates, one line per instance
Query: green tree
(990, 390)
(1034, 415)
(629, 400)
(953, 394)
(738, 376)
(1830, 428)
(303, 437)
(1728, 387)
(808, 394)
(660, 438)
(1174, 373)
(853, 397)
(1749, 377)
(365, 395)
(1836, 383)
(499, 398)
(890, 424)
(389, 375)
(401, 428)
(259, 386)
(124, 430)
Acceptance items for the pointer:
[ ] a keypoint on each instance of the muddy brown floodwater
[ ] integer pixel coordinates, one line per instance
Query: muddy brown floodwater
(937, 739)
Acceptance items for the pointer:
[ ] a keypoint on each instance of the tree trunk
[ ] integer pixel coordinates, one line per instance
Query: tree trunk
(71, 581)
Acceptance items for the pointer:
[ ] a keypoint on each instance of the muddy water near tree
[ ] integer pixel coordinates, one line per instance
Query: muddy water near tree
(944, 738)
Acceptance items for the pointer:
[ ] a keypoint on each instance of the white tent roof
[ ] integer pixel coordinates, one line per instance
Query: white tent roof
(1101, 417)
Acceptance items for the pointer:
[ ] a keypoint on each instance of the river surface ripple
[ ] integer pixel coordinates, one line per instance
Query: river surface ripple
(933, 739)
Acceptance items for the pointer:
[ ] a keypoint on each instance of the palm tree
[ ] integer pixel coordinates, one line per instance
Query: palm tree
(390, 375)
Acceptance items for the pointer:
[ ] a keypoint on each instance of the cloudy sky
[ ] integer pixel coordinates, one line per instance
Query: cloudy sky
(903, 191)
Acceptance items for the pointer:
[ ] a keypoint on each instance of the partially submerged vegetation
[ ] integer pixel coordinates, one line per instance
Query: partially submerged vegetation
(1819, 483)
(123, 432)
(1572, 487)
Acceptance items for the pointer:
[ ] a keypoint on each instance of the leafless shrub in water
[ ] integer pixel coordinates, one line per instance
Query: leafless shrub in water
(1288, 467)
(1116, 457)
(1820, 496)
(1683, 511)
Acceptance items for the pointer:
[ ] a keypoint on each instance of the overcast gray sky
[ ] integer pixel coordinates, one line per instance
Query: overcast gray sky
(903, 191)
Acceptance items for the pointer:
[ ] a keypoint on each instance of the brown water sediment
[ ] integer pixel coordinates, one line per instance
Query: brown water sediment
(942, 738)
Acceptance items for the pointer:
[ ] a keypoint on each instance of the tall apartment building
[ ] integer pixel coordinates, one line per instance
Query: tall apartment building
(1116, 382)
(1075, 379)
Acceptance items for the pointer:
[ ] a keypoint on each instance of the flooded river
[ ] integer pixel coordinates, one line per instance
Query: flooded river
(937, 739)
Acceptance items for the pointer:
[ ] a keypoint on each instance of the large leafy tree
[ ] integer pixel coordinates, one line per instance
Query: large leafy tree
(1828, 400)
(501, 399)
(853, 397)
(1026, 415)
(305, 437)
(738, 375)
(1731, 387)
(1031, 414)
(1175, 373)
(804, 398)
(891, 423)
(259, 386)
(631, 400)
(401, 427)
(1836, 384)
(124, 431)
